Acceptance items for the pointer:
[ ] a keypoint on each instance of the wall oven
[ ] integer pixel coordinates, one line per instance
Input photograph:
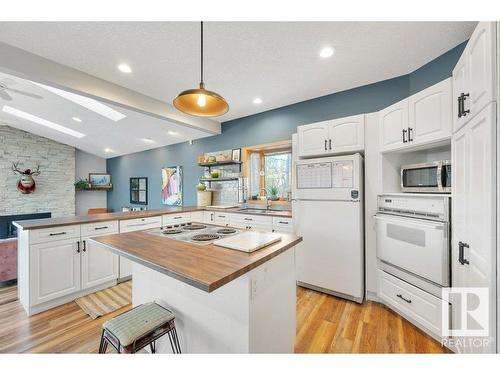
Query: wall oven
(413, 234)
(433, 177)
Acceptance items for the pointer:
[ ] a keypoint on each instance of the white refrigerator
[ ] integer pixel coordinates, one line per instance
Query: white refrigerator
(327, 201)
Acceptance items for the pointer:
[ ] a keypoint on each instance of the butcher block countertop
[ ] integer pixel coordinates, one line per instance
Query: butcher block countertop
(85, 219)
(206, 267)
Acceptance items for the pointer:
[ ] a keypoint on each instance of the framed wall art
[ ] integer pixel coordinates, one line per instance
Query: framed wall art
(171, 189)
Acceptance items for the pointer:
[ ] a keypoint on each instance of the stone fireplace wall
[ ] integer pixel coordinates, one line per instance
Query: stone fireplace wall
(55, 192)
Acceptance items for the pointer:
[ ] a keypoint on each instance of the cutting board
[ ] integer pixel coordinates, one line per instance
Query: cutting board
(224, 207)
(248, 241)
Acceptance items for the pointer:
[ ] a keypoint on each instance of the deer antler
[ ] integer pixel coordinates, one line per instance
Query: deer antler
(15, 168)
(37, 171)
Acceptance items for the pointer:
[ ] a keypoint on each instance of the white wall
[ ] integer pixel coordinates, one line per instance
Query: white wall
(84, 164)
(54, 192)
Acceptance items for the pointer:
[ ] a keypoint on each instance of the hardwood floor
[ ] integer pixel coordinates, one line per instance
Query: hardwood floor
(325, 324)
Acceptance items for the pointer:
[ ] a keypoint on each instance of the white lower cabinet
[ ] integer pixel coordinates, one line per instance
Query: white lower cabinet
(282, 225)
(98, 265)
(197, 216)
(411, 302)
(209, 217)
(255, 222)
(221, 218)
(132, 225)
(55, 270)
(174, 219)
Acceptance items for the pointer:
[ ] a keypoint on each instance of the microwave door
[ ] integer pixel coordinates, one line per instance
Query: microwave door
(420, 179)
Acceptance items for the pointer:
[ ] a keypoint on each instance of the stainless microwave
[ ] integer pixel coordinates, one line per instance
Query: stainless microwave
(433, 177)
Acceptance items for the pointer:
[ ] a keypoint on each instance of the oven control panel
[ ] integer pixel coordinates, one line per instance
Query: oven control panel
(413, 205)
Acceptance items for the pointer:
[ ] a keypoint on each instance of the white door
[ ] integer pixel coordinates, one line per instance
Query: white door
(331, 253)
(346, 135)
(313, 139)
(430, 114)
(394, 126)
(55, 270)
(475, 215)
(459, 84)
(481, 57)
(99, 265)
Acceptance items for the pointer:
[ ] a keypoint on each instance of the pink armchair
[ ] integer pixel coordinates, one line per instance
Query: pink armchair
(8, 259)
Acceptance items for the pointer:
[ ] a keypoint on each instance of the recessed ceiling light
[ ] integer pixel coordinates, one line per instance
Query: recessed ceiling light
(171, 132)
(41, 121)
(76, 119)
(257, 101)
(88, 103)
(326, 52)
(108, 150)
(124, 68)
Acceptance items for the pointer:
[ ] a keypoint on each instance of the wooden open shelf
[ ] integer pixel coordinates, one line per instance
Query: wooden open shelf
(219, 163)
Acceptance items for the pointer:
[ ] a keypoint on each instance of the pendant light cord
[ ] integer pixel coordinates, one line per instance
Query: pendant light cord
(201, 83)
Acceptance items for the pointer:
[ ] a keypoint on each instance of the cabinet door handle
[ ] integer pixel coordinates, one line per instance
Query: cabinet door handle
(461, 247)
(409, 134)
(404, 136)
(84, 245)
(77, 246)
(325, 145)
(211, 217)
(222, 216)
(460, 105)
(464, 111)
(57, 234)
(330, 144)
(177, 217)
(99, 228)
(404, 299)
(283, 222)
(247, 218)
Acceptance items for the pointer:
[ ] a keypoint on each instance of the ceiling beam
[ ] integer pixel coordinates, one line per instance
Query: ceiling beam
(35, 68)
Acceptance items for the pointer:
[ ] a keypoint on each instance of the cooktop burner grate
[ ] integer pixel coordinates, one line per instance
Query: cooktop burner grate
(226, 231)
(194, 226)
(205, 237)
(172, 231)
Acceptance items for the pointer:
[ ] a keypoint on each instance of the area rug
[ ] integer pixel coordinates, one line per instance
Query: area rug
(107, 300)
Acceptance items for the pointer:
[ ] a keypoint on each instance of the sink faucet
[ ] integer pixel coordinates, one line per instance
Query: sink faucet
(268, 205)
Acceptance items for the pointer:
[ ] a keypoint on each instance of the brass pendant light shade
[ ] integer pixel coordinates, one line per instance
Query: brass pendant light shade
(201, 102)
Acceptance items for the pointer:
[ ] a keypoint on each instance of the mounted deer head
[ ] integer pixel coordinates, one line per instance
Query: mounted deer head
(26, 184)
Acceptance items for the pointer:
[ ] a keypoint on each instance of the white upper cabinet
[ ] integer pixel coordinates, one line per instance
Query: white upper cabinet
(313, 139)
(346, 135)
(424, 118)
(430, 114)
(474, 75)
(332, 137)
(393, 126)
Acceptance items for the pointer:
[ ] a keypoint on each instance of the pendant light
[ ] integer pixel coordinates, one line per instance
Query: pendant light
(201, 102)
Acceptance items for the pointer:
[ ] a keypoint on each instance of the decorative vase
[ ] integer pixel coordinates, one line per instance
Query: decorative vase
(204, 198)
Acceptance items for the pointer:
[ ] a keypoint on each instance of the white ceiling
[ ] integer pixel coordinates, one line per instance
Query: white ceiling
(125, 136)
(277, 61)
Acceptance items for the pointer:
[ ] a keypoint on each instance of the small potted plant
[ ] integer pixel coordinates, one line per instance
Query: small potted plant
(215, 174)
(82, 184)
(273, 192)
(204, 196)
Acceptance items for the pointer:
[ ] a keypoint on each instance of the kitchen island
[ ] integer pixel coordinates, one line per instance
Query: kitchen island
(225, 301)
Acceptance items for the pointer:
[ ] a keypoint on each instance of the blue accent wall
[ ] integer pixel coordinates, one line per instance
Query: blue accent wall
(274, 125)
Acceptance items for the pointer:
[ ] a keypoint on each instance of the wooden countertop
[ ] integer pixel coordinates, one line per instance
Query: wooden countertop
(85, 219)
(206, 267)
